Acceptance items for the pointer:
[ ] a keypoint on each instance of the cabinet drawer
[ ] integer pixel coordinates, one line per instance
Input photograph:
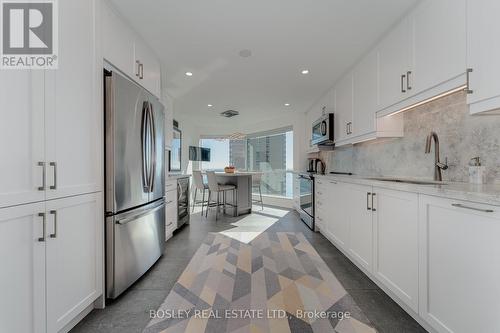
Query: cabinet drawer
(171, 198)
(170, 184)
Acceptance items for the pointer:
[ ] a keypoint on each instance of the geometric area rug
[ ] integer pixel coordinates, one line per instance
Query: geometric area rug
(275, 283)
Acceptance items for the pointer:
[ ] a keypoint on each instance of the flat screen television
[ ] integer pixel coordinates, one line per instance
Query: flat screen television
(199, 154)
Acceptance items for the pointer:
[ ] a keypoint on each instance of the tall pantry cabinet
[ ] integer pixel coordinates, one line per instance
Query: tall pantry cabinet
(51, 181)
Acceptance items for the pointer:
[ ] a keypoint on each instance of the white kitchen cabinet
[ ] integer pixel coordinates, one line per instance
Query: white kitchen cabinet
(359, 205)
(396, 243)
(118, 41)
(73, 120)
(439, 43)
(337, 215)
(343, 109)
(22, 282)
(22, 132)
(365, 95)
(296, 192)
(147, 67)
(53, 138)
(74, 257)
(125, 50)
(394, 54)
(171, 202)
(459, 270)
(483, 52)
(169, 127)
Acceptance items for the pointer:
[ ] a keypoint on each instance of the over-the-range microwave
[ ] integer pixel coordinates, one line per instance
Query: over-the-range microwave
(322, 130)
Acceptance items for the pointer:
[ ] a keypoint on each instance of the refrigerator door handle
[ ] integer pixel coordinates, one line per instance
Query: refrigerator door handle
(144, 146)
(142, 213)
(152, 134)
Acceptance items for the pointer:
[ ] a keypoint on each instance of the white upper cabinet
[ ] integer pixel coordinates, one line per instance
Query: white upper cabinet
(118, 41)
(22, 281)
(343, 108)
(125, 50)
(22, 130)
(147, 68)
(365, 101)
(395, 65)
(439, 30)
(483, 54)
(73, 118)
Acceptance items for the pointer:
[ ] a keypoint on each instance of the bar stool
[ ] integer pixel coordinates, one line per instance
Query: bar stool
(199, 184)
(256, 183)
(215, 187)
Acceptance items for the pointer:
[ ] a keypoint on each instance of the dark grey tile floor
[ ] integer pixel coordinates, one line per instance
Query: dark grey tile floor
(130, 312)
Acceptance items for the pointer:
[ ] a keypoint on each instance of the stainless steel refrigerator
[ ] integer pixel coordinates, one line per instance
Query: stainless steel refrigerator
(135, 181)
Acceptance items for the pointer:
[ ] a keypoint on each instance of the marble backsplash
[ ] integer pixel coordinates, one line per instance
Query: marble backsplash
(461, 137)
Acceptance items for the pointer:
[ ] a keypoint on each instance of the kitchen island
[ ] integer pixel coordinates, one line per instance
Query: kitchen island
(243, 182)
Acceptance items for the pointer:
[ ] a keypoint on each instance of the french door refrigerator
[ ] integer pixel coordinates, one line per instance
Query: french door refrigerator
(135, 181)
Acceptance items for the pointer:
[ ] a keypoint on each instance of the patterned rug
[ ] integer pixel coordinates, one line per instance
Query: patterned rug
(276, 283)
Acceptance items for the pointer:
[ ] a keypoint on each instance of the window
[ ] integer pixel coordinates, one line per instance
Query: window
(272, 154)
(269, 152)
(219, 154)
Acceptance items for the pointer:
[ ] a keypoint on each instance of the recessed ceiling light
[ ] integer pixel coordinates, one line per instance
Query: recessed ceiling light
(209, 105)
(245, 53)
(189, 74)
(287, 104)
(305, 71)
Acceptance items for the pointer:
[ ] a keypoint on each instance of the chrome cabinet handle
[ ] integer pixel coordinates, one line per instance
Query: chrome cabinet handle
(138, 71)
(347, 128)
(473, 208)
(368, 194)
(54, 234)
(54, 185)
(408, 80)
(402, 83)
(373, 206)
(467, 89)
(333, 182)
(44, 176)
(141, 71)
(42, 239)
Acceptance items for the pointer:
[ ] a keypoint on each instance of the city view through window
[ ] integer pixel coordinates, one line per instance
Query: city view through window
(271, 154)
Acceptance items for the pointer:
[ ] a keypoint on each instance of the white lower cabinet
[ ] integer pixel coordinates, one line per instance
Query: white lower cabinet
(337, 213)
(459, 265)
(170, 211)
(74, 244)
(22, 281)
(437, 257)
(52, 252)
(360, 245)
(396, 243)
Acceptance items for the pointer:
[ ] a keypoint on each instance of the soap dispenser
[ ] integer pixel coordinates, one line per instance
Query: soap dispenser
(476, 171)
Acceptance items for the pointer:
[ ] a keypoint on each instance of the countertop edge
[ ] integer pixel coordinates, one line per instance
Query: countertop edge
(482, 194)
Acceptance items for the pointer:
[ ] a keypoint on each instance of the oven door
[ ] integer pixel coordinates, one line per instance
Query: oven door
(307, 200)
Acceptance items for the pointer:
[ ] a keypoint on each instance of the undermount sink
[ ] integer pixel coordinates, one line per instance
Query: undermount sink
(408, 181)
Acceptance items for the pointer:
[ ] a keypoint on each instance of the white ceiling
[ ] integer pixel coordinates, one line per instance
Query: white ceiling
(285, 36)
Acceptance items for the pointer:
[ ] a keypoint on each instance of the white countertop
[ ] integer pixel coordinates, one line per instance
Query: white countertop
(485, 193)
(236, 174)
(177, 175)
